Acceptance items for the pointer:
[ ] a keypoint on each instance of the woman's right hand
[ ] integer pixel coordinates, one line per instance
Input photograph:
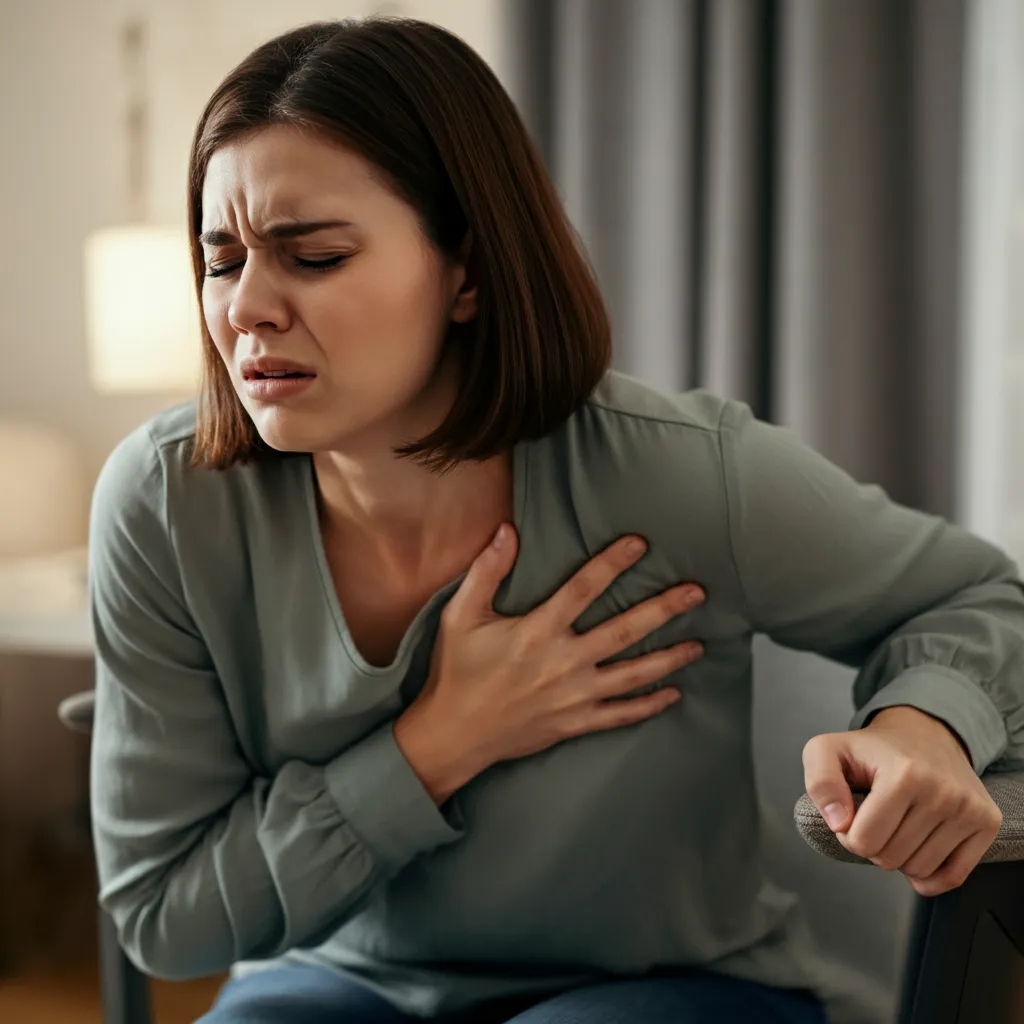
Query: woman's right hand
(503, 687)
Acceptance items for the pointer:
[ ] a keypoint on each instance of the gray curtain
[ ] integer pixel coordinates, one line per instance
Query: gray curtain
(769, 192)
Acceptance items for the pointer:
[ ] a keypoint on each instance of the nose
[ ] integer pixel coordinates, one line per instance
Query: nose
(257, 302)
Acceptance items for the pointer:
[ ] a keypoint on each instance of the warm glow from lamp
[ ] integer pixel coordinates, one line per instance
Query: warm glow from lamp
(141, 313)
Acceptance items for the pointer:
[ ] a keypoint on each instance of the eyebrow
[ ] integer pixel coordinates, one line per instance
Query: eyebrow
(293, 229)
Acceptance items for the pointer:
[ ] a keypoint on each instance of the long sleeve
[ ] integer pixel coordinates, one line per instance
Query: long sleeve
(931, 615)
(201, 861)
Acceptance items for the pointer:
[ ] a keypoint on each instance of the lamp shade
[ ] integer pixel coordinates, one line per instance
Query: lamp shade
(142, 316)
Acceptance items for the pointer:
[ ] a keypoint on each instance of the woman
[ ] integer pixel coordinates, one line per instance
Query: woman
(392, 634)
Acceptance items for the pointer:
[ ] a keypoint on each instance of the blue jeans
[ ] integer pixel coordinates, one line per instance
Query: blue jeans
(315, 995)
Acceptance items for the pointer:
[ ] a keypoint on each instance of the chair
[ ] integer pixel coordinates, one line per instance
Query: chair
(965, 960)
(964, 963)
(124, 990)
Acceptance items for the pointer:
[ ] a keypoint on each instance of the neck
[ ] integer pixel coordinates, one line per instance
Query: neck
(406, 517)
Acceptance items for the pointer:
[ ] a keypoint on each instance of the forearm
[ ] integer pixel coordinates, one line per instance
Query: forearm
(285, 864)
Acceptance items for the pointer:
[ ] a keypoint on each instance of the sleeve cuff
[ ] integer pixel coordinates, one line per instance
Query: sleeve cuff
(952, 698)
(385, 802)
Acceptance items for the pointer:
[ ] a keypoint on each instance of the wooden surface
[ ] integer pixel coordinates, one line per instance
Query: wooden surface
(71, 996)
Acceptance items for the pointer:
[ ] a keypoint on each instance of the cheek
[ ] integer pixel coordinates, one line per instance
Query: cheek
(396, 303)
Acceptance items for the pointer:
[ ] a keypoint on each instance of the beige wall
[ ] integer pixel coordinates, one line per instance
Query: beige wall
(62, 166)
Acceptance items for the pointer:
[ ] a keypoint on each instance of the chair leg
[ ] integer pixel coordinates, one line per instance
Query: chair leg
(123, 987)
(965, 962)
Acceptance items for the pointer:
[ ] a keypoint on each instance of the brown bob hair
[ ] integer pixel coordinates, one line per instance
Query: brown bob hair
(427, 111)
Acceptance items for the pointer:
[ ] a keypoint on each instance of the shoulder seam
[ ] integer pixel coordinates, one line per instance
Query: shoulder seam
(598, 404)
(176, 438)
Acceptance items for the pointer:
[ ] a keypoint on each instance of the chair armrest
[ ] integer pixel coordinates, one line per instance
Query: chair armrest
(76, 711)
(1005, 788)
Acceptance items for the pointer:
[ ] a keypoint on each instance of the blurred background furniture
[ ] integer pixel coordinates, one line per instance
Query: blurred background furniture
(45, 654)
(45, 851)
(965, 960)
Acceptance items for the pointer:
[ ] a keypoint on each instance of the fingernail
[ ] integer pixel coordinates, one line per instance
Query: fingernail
(636, 546)
(834, 815)
(499, 537)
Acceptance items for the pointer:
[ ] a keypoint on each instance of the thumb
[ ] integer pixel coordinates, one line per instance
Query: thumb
(825, 780)
(475, 597)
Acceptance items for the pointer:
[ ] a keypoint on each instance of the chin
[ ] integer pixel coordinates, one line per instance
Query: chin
(286, 431)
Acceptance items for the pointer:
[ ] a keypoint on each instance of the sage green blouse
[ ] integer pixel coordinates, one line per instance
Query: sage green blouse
(250, 802)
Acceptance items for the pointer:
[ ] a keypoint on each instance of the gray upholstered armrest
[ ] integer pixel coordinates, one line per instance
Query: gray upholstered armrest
(1005, 788)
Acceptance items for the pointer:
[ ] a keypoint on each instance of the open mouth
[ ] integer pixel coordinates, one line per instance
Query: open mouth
(276, 374)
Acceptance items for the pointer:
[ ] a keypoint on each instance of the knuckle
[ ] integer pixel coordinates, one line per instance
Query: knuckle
(620, 718)
(580, 587)
(993, 818)
(946, 801)
(694, 650)
(927, 887)
(949, 878)
(861, 845)
(909, 773)
(816, 746)
(622, 635)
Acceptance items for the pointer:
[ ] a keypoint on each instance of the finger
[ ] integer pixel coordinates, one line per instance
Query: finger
(579, 592)
(920, 822)
(964, 859)
(878, 818)
(616, 714)
(937, 846)
(622, 631)
(624, 676)
(474, 600)
(825, 781)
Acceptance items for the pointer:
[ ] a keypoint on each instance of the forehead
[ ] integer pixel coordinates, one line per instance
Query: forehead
(280, 171)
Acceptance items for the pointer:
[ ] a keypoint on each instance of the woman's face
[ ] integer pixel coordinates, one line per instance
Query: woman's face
(315, 268)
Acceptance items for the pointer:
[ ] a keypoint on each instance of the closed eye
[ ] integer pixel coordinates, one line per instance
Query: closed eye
(298, 261)
(331, 261)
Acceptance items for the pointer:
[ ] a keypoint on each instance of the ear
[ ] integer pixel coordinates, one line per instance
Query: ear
(464, 305)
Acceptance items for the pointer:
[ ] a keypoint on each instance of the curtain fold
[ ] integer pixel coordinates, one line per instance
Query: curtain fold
(769, 191)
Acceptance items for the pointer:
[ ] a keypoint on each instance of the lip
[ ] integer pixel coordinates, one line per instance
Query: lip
(268, 389)
(272, 389)
(254, 368)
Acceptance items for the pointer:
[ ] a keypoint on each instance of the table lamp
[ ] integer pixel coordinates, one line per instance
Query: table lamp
(142, 318)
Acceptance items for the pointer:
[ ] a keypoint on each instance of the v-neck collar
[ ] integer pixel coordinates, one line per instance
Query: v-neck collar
(400, 664)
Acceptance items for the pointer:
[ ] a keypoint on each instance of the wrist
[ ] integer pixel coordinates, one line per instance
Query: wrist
(906, 715)
(439, 763)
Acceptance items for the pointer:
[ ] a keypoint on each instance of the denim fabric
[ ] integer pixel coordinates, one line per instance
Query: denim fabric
(314, 995)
